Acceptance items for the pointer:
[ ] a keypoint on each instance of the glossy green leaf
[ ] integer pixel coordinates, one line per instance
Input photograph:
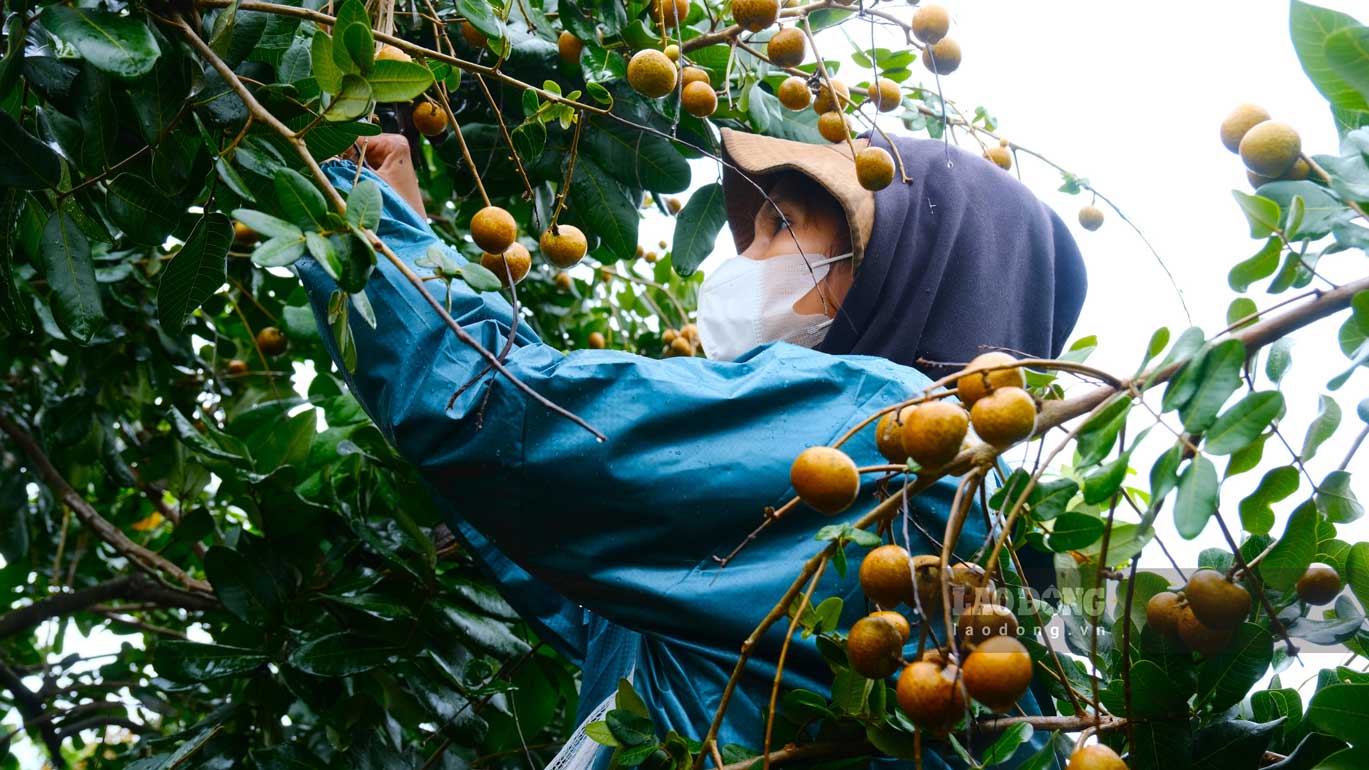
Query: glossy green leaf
(364, 204)
(1277, 359)
(324, 70)
(195, 273)
(1197, 499)
(398, 81)
(1257, 515)
(1233, 743)
(25, 162)
(1225, 678)
(66, 263)
(1243, 422)
(341, 654)
(1099, 434)
(697, 227)
(117, 44)
(1288, 558)
(1261, 213)
(141, 210)
(1347, 53)
(1219, 376)
(1340, 710)
(195, 662)
(1336, 500)
(353, 100)
(603, 206)
(1310, 27)
(1321, 428)
(300, 200)
(267, 225)
(1074, 530)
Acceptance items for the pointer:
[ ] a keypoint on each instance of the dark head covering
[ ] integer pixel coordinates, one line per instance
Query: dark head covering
(961, 260)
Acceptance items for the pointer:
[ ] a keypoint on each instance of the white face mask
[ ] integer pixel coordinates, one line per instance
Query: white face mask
(750, 302)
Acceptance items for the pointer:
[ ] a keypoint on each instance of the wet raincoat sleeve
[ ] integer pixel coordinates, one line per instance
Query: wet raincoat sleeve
(695, 449)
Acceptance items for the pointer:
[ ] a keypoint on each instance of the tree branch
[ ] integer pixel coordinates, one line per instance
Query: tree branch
(30, 707)
(136, 587)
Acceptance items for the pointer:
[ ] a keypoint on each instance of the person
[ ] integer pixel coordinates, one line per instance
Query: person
(838, 303)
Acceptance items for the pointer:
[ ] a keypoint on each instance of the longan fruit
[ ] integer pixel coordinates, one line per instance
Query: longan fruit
(901, 624)
(690, 332)
(672, 52)
(934, 431)
(1004, 417)
(1162, 612)
(998, 673)
(999, 156)
(568, 47)
(1242, 119)
(668, 336)
(1090, 218)
(694, 75)
(564, 245)
(787, 48)
(793, 93)
(662, 244)
(473, 37)
(874, 647)
(889, 436)
(931, 695)
(942, 57)
(1270, 148)
(1202, 639)
(651, 73)
(272, 341)
(1319, 584)
(669, 13)
(682, 346)
(985, 621)
(969, 388)
(1216, 602)
(824, 101)
(874, 166)
(886, 575)
(596, 341)
(493, 229)
(833, 127)
(429, 119)
(699, 100)
(825, 478)
(927, 584)
(673, 205)
(649, 257)
(564, 282)
(931, 23)
(515, 261)
(243, 235)
(237, 367)
(1096, 757)
(755, 15)
(392, 53)
(885, 95)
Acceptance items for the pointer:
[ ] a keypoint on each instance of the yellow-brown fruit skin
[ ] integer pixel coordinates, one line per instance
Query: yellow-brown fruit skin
(943, 57)
(699, 99)
(1270, 148)
(1090, 218)
(931, 23)
(1096, 757)
(1319, 584)
(969, 388)
(669, 13)
(927, 584)
(429, 119)
(787, 48)
(271, 341)
(999, 156)
(1202, 639)
(694, 75)
(825, 478)
(874, 647)
(755, 15)
(673, 205)
(833, 127)
(998, 673)
(1238, 122)
(886, 576)
(473, 37)
(568, 47)
(1004, 417)
(651, 73)
(493, 229)
(672, 52)
(237, 367)
(899, 622)
(931, 696)
(889, 436)
(1162, 612)
(934, 431)
(794, 94)
(884, 94)
(515, 257)
(564, 282)
(874, 168)
(391, 53)
(1216, 602)
(597, 341)
(824, 102)
(682, 346)
(243, 235)
(565, 246)
(982, 622)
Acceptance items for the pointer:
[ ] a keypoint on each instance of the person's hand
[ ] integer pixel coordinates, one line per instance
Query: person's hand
(388, 156)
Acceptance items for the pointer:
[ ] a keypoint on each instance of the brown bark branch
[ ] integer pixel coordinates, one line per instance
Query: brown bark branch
(30, 707)
(136, 586)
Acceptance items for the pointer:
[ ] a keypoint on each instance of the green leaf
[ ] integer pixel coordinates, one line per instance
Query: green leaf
(479, 277)
(398, 81)
(1105, 480)
(1278, 358)
(1007, 744)
(1289, 557)
(327, 74)
(482, 16)
(630, 729)
(1357, 572)
(1260, 266)
(1341, 710)
(603, 206)
(267, 225)
(281, 251)
(1347, 53)
(484, 632)
(300, 200)
(352, 101)
(1233, 743)
(600, 734)
(364, 203)
(359, 47)
(1310, 27)
(636, 158)
(67, 265)
(195, 662)
(1336, 500)
(1243, 422)
(627, 698)
(1075, 530)
(1353, 758)
(341, 654)
(195, 272)
(141, 210)
(1197, 499)
(1321, 428)
(1262, 213)
(25, 162)
(1218, 378)
(1099, 434)
(1257, 513)
(697, 227)
(245, 590)
(1226, 678)
(119, 45)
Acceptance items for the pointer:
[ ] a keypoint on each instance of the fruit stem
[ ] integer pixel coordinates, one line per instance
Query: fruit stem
(779, 664)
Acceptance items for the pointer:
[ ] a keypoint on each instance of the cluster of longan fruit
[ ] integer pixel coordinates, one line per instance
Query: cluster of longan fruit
(495, 231)
(1271, 150)
(683, 342)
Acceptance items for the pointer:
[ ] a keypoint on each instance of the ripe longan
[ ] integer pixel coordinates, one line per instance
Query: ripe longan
(833, 127)
(1004, 417)
(391, 53)
(682, 346)
(693, 75)
(493, 229)
(1090, 218)
(886, 575)
(1241, 120)
(985, 621)
(900, 623)
(755, 15)
(473, 37)
(1270, 148)
(942, 57)
(793, 93)
(699, 99)
(927, 583)
(669, 13)
(874, 647)
(596, 341)
(651, 73)
(568, 47)
(999, 156)
(429, 119)
(515, 261)
(931, 695)
(272, 341)
(237, 367)
(884, 94)
(690, 332)
(934, 431)
(673, 205)
(889, 436)
(998, 673)
(874, 167)
(564, 245)
(672, 52)
(564, 282)
(1216, 602)
(825, 478)
(243, 235)
(1162, 612)
(1202, 639)
(1319, 584)
(1096, 757)
(931, 23)
(824, 101)
(787, 48)
(969, 388)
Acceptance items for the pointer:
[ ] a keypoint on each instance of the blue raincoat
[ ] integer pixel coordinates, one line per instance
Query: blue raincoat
(606, 548)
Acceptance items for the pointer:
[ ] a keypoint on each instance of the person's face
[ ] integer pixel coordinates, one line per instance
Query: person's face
(807, 227)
